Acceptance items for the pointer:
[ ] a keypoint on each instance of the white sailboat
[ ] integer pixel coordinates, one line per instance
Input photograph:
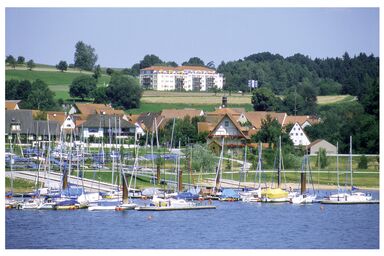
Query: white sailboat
(254, 195)
(348, 197)
(304, 197)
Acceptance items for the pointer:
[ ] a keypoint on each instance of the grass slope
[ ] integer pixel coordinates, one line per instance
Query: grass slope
(57, 81)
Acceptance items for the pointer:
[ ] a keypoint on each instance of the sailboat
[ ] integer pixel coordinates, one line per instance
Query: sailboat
(254, 195)
(305, 197)
(275, 195)
(349, 197)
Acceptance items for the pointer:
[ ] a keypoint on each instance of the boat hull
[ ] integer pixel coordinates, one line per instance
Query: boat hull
(170, 208)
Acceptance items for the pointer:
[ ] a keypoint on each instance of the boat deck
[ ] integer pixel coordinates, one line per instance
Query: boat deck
(349, 202)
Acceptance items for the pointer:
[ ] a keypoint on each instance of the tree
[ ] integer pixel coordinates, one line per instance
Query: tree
(309, 94)
(329, 87)
(293, 104)
(85, 56)
(184, 131)
(269, 131)
(99, 95)
(40, 97)
(203, 159)
(263, 99)
(109, 71)
(23, 89)
(321, 158)
(11, 89)
(11, 61)
(82, 86)
(149, 60)
(363, 162)
(62, 66)
(124, 91)
(97, 72)
(20, 60)
(31, 64)
(171, 63)
(194, 61)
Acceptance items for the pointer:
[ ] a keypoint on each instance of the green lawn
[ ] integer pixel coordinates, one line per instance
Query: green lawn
(156, 107)
(57, 81)
(20, 185)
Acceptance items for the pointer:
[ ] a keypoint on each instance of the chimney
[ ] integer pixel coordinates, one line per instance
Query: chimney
(224, 101)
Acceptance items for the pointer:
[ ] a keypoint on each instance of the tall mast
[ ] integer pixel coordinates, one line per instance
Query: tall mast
(350, 160)
(11, 159)
(279, 168)
(218, 168)
(337, 166)
(245, 162)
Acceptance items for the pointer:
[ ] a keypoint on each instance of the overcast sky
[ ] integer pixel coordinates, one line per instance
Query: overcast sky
(122, 36)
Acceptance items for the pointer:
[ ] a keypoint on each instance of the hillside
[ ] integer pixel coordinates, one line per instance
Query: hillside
(59, 83)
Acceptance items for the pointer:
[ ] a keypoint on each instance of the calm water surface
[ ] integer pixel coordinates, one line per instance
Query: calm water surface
(234, 225)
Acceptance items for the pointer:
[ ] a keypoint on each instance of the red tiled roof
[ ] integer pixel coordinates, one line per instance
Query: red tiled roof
(180, 113)
(11, 104)
(256, 117)
(92, 108)
(300, 120)
(180, 68)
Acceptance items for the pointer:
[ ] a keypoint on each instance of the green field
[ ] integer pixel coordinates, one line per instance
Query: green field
(57, 81)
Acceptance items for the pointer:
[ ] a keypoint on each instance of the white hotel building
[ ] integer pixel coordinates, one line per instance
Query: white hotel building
(188, 78)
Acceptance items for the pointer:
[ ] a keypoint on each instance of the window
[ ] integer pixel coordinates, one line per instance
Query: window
(226, 123)
(294, 129)
(93, 129)
(292, 133)
(297, 134)
(301, 134)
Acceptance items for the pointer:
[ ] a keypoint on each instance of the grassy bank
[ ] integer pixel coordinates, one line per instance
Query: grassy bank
(20, 185)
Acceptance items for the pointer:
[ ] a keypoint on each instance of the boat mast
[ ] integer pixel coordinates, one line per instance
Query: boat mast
(179, 173)
(245, 162)
(279, 167)
(11, 160)
(49, 151)
(218, 168)
(258, 168)
(350, 160)
(337, 167)
(303, 175)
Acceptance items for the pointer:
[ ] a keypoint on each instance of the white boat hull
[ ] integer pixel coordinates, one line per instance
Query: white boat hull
(303, 199)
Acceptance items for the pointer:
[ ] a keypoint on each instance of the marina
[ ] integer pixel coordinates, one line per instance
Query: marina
(232, 225)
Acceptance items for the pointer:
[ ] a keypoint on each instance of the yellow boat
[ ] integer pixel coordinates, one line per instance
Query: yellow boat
(274, 195)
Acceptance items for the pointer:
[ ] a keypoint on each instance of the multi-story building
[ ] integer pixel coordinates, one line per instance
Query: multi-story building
(188, 78)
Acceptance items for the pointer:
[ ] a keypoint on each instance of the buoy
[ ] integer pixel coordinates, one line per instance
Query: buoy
(150, 217)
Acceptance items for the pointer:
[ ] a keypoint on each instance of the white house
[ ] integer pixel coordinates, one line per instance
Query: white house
(68, 123)
(188, 78)
(298, 136)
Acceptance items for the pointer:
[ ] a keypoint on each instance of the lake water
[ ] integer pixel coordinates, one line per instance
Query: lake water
(234, 225)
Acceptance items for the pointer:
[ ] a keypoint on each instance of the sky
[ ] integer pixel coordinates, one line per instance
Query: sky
(123, 36)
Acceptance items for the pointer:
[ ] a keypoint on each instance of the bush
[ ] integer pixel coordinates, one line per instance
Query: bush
(363, 162)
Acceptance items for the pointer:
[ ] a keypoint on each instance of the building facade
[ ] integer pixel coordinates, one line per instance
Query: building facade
(298, 136)
(184, 78)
